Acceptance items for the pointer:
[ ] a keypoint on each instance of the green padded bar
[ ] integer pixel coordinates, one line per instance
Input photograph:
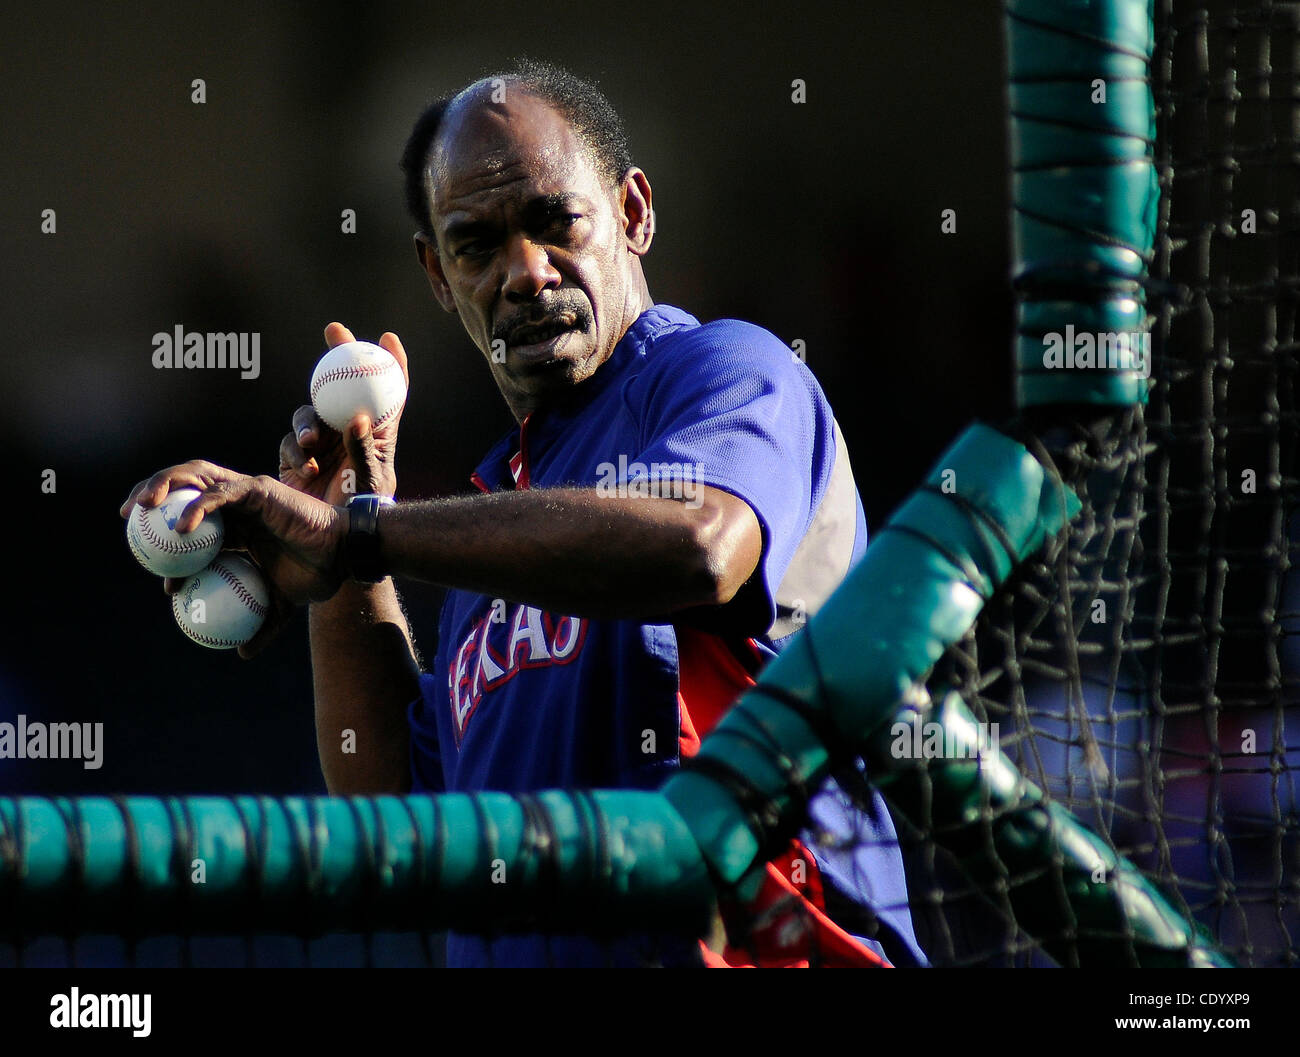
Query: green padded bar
(987, 505)
(1084, 195)
(970, 798)
(598, 861)
(854, 674)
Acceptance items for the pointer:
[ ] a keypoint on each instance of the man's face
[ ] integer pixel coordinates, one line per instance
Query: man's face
(531, 245)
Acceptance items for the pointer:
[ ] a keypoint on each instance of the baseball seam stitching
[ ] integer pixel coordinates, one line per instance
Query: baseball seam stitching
(171, 546)
(352, 371)
(360, 371)
(241, 592)
(208, 640)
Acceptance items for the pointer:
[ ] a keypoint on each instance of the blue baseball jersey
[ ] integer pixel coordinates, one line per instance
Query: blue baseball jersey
(521, 699)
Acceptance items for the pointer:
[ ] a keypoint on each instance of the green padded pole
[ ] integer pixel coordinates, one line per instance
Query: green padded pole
(1084, 197)
(923, 580)
(143, 865)
(1007, 838)
(840, 688)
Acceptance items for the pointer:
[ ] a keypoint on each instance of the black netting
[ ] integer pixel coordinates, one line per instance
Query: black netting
(1147, 672)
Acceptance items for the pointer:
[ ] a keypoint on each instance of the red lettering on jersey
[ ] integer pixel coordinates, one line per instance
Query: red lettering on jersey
(566, 635)
(526, 632)
(488, 672)
(460, 683)
(533, 638)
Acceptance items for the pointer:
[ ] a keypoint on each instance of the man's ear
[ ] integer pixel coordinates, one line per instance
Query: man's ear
(432, 265)
(638, 211)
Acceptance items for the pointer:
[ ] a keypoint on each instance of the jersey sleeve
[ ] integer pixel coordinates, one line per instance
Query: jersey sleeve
(729, 406)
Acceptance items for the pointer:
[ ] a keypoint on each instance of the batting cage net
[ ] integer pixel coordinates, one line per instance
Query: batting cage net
(1069, 661)
(1143, 671)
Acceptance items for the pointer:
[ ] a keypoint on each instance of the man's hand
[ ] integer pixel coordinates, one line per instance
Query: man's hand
(364, 665)
(295, 538)
(315, 458)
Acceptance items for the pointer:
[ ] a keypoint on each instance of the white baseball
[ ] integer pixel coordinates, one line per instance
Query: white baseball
(223, 606)
(151, 534)
(357, 377)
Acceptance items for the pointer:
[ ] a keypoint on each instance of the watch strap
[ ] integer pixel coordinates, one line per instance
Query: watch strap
(361, 544)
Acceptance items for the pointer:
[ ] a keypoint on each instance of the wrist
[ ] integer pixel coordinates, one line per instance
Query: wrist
(362, 559)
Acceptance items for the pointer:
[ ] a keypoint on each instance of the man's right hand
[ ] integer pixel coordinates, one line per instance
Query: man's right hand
(315, 458)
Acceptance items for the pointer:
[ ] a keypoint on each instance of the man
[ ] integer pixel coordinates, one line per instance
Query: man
(676, 498)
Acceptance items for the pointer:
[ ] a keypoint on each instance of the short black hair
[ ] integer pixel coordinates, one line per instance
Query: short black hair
(579, 102)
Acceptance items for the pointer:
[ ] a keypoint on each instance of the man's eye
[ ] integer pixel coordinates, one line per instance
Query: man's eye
(471, 249)
(564, 221)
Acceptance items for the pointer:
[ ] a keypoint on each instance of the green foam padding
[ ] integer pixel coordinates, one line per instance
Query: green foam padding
(1085, 191)
(597, 861)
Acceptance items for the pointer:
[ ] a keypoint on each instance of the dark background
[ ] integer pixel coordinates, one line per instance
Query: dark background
(819, 221)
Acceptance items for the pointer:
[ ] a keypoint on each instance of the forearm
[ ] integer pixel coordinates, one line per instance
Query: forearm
(364, 673)
(564, 549)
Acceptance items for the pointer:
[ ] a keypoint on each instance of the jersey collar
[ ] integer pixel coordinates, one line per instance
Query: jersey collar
(506, 464)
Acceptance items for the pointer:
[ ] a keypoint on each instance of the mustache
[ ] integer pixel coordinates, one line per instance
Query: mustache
(571, 312)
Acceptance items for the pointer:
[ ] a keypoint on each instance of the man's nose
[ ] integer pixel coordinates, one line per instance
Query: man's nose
(528, 270)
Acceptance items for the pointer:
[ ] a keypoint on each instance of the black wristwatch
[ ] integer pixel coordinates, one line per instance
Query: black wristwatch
(361, 544)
